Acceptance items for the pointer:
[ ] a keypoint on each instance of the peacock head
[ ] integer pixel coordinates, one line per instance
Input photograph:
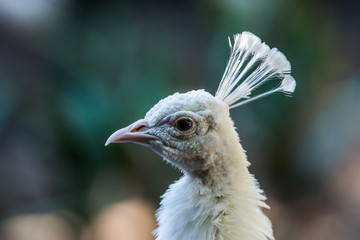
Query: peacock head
(191, 129)
(182, 128)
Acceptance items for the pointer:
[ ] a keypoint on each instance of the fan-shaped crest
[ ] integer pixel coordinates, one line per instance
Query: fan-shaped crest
(251, 64)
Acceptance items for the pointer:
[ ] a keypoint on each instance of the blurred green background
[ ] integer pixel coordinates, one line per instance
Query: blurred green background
(74, 71)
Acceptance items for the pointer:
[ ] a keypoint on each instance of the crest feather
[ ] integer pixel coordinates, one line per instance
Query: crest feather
(251, 64)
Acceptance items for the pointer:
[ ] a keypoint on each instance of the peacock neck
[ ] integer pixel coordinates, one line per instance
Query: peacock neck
(228, 169)
(234, 195)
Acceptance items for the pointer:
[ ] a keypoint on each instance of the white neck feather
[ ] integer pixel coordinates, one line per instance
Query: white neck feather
(224, 205)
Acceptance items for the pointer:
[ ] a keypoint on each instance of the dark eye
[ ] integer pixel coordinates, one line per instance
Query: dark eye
(184, 124)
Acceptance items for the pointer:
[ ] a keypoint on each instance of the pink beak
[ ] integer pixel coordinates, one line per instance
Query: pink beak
(134, 133)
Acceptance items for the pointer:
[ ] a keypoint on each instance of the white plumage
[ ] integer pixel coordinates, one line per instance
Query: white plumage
(217, 198)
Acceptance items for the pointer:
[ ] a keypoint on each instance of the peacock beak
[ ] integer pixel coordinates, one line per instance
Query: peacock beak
(135, 133)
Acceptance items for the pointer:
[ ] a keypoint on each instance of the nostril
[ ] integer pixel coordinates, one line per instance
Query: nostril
(138, 128)
(140, 125)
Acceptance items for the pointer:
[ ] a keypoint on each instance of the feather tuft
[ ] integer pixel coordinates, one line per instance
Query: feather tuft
(288, 85)
(251, 64)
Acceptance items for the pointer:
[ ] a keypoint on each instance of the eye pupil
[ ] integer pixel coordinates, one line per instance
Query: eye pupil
(184, 124)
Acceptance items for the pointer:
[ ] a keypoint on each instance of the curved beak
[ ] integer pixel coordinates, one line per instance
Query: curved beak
(135, 133)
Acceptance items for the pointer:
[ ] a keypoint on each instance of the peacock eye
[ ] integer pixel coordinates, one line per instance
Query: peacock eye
(184, 124)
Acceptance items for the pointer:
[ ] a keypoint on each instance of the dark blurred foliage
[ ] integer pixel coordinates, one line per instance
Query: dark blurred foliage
(74, 71)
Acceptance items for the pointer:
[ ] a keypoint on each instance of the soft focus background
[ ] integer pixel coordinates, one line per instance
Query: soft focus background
(74, 71)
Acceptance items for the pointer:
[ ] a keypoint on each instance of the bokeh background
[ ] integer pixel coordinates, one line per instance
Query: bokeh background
(74, 71)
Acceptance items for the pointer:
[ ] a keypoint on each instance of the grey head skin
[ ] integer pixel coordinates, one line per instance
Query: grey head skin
(182, 128)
